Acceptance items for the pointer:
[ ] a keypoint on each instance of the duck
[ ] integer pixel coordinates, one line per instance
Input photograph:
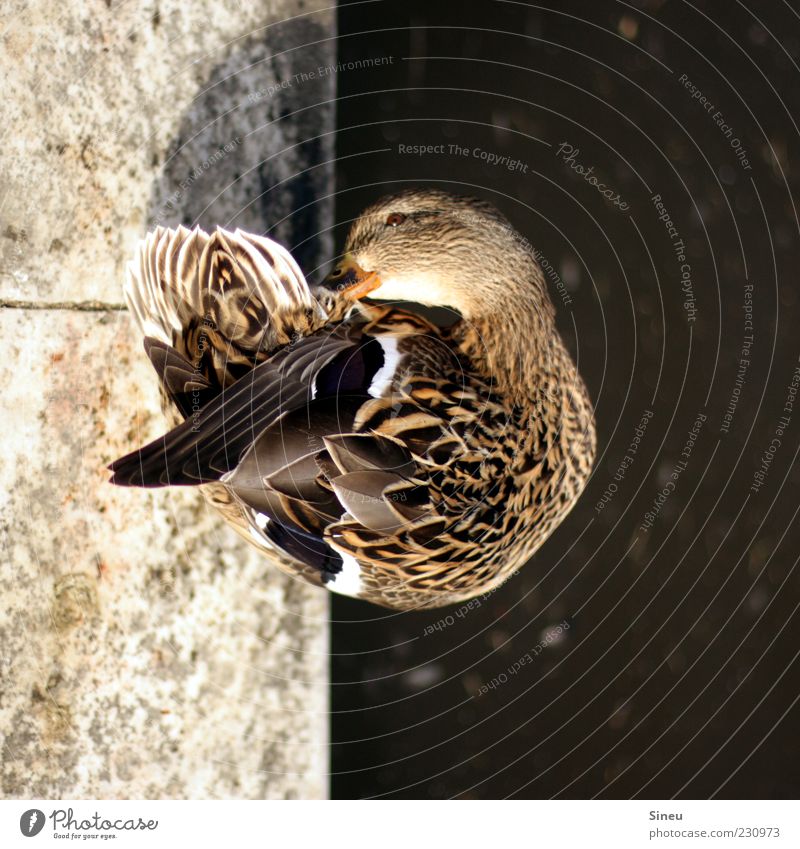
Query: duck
(358, 445)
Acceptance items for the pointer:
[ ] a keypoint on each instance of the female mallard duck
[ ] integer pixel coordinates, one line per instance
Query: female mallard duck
(359, 445)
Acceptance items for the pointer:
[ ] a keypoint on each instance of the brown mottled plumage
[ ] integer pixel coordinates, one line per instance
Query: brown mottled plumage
(356, 444)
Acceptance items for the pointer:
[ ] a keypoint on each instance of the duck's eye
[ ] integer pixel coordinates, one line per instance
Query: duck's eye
(395, 218)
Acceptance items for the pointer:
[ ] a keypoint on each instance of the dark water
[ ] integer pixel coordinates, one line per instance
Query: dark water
(678, 673)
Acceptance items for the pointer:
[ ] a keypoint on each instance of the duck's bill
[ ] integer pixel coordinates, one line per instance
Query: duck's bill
(350, 279)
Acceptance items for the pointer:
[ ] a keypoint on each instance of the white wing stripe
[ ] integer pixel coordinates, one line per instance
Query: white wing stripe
(385, 375)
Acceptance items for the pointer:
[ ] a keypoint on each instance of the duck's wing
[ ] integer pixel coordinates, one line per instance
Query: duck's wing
(213, 440)
(336, 445)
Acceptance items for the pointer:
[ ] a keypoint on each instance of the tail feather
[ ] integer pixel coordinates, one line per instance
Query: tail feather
(246, 287)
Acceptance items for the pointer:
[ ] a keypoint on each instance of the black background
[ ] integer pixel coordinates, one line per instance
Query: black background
(678, 674)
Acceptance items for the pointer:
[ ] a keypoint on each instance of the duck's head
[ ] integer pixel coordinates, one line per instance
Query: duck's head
(438, 249)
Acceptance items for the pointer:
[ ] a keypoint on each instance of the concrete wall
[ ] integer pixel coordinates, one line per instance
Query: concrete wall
(144, 650)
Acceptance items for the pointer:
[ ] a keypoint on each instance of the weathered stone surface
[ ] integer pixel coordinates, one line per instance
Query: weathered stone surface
(121, 116)
(145, 650)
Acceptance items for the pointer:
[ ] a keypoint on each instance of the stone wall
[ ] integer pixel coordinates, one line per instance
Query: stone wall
(145, 651)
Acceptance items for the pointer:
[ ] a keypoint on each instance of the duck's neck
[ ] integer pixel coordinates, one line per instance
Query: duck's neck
(517, 347)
